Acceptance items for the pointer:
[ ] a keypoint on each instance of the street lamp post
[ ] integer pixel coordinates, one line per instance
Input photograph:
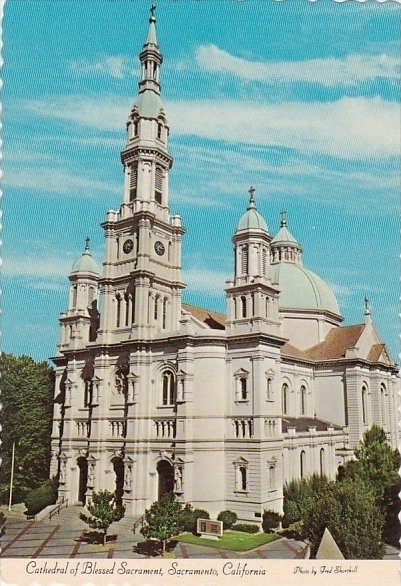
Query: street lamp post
(11, 477)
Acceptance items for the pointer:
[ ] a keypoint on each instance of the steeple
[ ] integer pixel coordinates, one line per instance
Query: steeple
(142, 284)
(151, 58)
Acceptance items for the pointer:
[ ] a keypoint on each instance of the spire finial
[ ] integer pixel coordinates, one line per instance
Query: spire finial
(283, 218)
(367, 309)
(251, 192)
(87, 240)
(152, 11)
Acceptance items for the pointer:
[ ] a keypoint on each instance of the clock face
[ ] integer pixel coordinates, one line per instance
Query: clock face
(159, 248)
(128, 246)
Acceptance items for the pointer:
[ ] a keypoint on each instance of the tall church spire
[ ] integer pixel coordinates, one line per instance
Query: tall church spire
(151, 58)
(141, 287)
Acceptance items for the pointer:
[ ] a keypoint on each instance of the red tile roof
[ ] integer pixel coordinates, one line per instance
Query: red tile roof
(212, 319)
(337, 342)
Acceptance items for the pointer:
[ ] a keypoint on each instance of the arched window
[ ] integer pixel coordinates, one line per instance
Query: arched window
(133, 182)
(302, 464)
(133, 306)
(127, 303)
(322, 463)
(264, 261)
(284, 398)
(243, 478)
(244, 260)
(383, 404)
(118, 297)
(243, 305)
(364, 404)
(74, 295)
(303, 399)
(253, 303)
(159, 130)
(272, 476)
(164, 312)
(158, 185)
(155, 309)
(168, 388)
(91, 296)
(243, 388)
(269, 389)
(136, 127)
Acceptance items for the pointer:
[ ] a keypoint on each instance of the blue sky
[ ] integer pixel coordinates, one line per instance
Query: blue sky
(299, 99)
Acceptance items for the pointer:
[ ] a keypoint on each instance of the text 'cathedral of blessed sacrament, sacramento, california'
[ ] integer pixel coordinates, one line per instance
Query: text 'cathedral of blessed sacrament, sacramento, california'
(155, 396)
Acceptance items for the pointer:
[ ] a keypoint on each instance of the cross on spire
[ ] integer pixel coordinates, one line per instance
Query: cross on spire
(152, 10)
(87, 240)
(251, 192)
(283, 218)
(367, 310)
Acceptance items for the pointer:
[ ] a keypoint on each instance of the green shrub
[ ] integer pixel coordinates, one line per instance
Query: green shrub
(270, 521)
(245, 527)
(292, 513)
(228, 518)
(198, 514)
(41, 497)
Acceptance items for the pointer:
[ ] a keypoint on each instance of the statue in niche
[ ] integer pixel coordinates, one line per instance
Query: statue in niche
(177, 479)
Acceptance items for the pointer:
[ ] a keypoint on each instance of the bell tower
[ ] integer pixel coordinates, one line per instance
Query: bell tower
(252, 301)
(141, 285)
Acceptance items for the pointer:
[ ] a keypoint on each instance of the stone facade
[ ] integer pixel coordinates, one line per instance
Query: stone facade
(153, 395)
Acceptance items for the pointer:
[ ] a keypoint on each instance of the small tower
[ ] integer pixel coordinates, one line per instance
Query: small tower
(283, 246)
(79, 325)
(252, 301)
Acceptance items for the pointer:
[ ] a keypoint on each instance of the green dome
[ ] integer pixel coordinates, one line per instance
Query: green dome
(149, 104)
(252, 220)
(302, 289)
(85, 263)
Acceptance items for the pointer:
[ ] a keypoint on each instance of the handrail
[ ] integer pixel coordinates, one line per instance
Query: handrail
(58, 507)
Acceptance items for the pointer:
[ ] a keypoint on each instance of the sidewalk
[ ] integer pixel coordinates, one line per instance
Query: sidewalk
(59, 538)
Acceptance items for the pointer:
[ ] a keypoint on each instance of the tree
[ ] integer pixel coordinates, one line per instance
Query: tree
(377, 465)
(26, 419)
(103, 512)
(164, 519)
(350, 512)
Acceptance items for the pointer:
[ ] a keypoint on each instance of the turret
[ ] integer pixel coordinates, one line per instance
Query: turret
(79, 324)
(252, 302)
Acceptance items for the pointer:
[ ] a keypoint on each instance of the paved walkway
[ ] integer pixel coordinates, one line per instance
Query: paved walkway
(60, 538)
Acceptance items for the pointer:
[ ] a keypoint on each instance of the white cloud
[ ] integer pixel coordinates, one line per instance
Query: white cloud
(48, 180)
(41, 267)
(330, 72)
(207, 281)
(350, 128)
(116, 66)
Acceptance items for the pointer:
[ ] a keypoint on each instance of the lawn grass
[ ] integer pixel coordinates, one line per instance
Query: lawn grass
(231, 540)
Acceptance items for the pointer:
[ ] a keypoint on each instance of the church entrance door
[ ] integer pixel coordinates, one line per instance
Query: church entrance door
(83, 479)
(166, 478)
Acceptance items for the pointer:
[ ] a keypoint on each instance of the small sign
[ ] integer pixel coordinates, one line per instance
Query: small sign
(209, 528)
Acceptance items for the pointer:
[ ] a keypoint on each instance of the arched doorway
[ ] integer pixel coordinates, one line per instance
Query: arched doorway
(118, 466)
(166, 478)
(83, 479)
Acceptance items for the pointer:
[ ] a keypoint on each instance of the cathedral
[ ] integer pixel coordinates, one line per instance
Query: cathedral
(156, 396)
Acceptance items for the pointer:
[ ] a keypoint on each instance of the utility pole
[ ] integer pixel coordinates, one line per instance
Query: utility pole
(11, 477)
